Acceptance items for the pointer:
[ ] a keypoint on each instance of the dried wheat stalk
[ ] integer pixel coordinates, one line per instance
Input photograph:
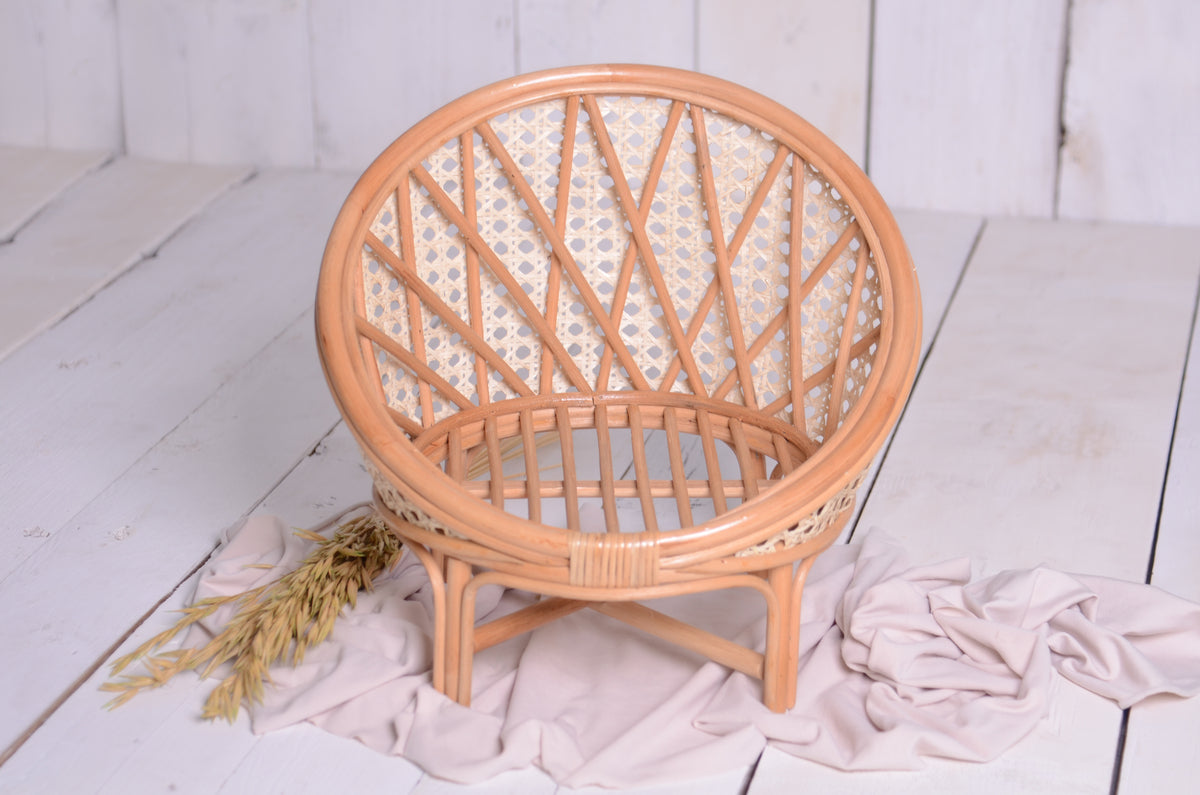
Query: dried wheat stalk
(274, 621)
(290, 614)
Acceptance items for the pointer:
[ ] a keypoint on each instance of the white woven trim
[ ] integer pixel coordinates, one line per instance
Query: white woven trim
(402, 507)
(812, 525)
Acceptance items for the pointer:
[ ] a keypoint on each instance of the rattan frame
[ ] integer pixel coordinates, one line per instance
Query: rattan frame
(459, 529)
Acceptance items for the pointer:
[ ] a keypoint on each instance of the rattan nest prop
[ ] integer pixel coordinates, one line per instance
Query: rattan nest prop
(631, 263)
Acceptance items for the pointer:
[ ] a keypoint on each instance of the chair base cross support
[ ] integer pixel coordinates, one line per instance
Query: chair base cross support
(457, 639)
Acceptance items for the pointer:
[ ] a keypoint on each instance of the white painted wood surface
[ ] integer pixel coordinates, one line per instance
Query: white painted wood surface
(1161, 741)
(939, 243)
(552, 33)
(158, 341)
(186, 393)
(1038, 434)
(113, 219)
(1045, 410)
(812, 56)
(130, 374)
(30, 178)
(139, 538)
(965, 111)
(380, 66)
(221, 81)
(59, 74)
(22, 89)
(1132, 113)
(162, 744)
(155, 83)
(964, 104)
(517, 782)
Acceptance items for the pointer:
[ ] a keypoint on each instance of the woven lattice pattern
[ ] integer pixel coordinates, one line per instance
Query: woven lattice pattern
(814, 524)
(615, 333)
(613, 243)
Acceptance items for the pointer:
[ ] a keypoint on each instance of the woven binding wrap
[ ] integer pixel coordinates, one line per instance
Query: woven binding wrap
(614, 560)
(812, 525)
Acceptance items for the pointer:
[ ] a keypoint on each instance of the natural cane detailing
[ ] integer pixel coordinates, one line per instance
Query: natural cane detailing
(603, 560)
(812, 525)
(611, 333)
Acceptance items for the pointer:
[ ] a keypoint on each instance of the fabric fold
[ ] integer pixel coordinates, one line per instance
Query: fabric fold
(898, 663)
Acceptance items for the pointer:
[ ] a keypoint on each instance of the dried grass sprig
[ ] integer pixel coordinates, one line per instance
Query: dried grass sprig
(273, 621)
(478, 463)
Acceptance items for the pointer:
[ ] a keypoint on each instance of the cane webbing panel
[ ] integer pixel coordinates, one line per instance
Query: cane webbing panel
(564, 236)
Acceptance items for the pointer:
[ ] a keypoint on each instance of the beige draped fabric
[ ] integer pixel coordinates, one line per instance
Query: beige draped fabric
(898, 663)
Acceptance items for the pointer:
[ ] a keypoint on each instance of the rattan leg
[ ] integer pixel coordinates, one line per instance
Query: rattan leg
(793, 661)
(466, 642)
(434, 569)
(458, 574)
(775, 660)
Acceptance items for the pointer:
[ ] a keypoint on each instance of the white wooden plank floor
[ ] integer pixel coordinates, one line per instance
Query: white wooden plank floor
(33, 177)
(108, 222)
(183, 392)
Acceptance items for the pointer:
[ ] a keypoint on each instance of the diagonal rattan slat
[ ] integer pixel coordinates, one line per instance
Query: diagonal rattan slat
(574, 270)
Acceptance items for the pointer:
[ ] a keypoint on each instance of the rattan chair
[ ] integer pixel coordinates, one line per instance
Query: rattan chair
(623, 265)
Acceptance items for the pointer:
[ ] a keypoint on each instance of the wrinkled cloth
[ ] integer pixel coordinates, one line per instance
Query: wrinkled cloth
(897, 663)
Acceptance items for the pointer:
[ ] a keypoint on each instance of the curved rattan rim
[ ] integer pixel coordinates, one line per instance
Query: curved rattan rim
(842, 456)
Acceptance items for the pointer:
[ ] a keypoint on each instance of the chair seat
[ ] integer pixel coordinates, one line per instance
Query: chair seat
(761, 448)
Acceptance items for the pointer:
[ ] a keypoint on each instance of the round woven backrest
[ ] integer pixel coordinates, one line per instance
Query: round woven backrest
(609, 229)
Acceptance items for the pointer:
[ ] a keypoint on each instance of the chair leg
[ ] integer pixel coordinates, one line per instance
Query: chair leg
(433, 568)
(454, 630)
(466, 643)
(775, 655)
(793, 662)
(458, 574)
